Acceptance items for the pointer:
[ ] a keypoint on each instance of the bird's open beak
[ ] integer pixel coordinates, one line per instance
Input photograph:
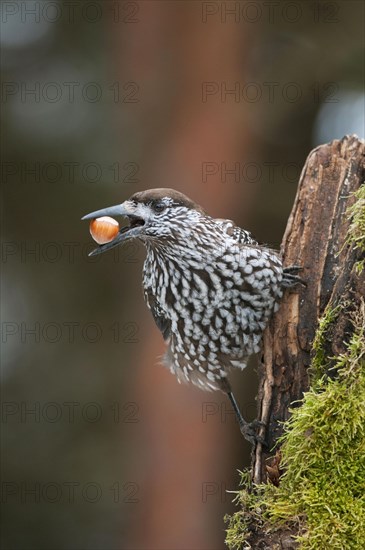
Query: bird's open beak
(127, 232)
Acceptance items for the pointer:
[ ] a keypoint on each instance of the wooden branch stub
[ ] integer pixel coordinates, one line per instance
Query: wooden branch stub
(314, 239)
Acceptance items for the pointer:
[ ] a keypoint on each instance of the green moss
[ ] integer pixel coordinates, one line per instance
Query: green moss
(322, 492)
(321, 496)
(356, 233)
(241, 523)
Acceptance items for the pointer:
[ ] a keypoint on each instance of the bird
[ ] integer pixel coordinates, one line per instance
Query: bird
(210, 286)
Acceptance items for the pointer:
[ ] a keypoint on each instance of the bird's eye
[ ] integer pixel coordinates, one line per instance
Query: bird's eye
(159, 207)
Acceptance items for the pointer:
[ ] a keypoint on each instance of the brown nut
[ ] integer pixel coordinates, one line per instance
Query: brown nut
(104, 229)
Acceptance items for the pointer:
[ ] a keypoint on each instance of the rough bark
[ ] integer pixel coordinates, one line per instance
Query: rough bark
(315, 239)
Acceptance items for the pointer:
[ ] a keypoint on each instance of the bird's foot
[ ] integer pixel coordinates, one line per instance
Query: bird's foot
(290, 278)
(292, 269)
(249, 430)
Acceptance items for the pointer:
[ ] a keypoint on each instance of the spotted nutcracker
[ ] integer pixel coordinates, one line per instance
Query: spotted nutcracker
(210, 286)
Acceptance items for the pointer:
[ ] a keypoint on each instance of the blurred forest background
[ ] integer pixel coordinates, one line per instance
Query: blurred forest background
(102, 449)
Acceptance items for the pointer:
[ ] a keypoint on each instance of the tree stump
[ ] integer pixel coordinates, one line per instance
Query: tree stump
(308, 487)
(315, 239)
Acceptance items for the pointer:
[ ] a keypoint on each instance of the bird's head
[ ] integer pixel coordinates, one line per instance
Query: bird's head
(153, 215)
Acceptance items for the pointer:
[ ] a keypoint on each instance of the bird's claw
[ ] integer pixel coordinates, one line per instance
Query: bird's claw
(292, 269)
(291, 278)
(249, 430)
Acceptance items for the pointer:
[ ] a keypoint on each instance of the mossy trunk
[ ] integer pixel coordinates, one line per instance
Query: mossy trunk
(325, 235)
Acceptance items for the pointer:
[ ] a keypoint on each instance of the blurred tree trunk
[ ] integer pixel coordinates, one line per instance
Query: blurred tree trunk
(181, 134)
(315, 239)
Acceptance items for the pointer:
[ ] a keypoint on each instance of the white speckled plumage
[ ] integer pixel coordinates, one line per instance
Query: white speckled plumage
(210, 286)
